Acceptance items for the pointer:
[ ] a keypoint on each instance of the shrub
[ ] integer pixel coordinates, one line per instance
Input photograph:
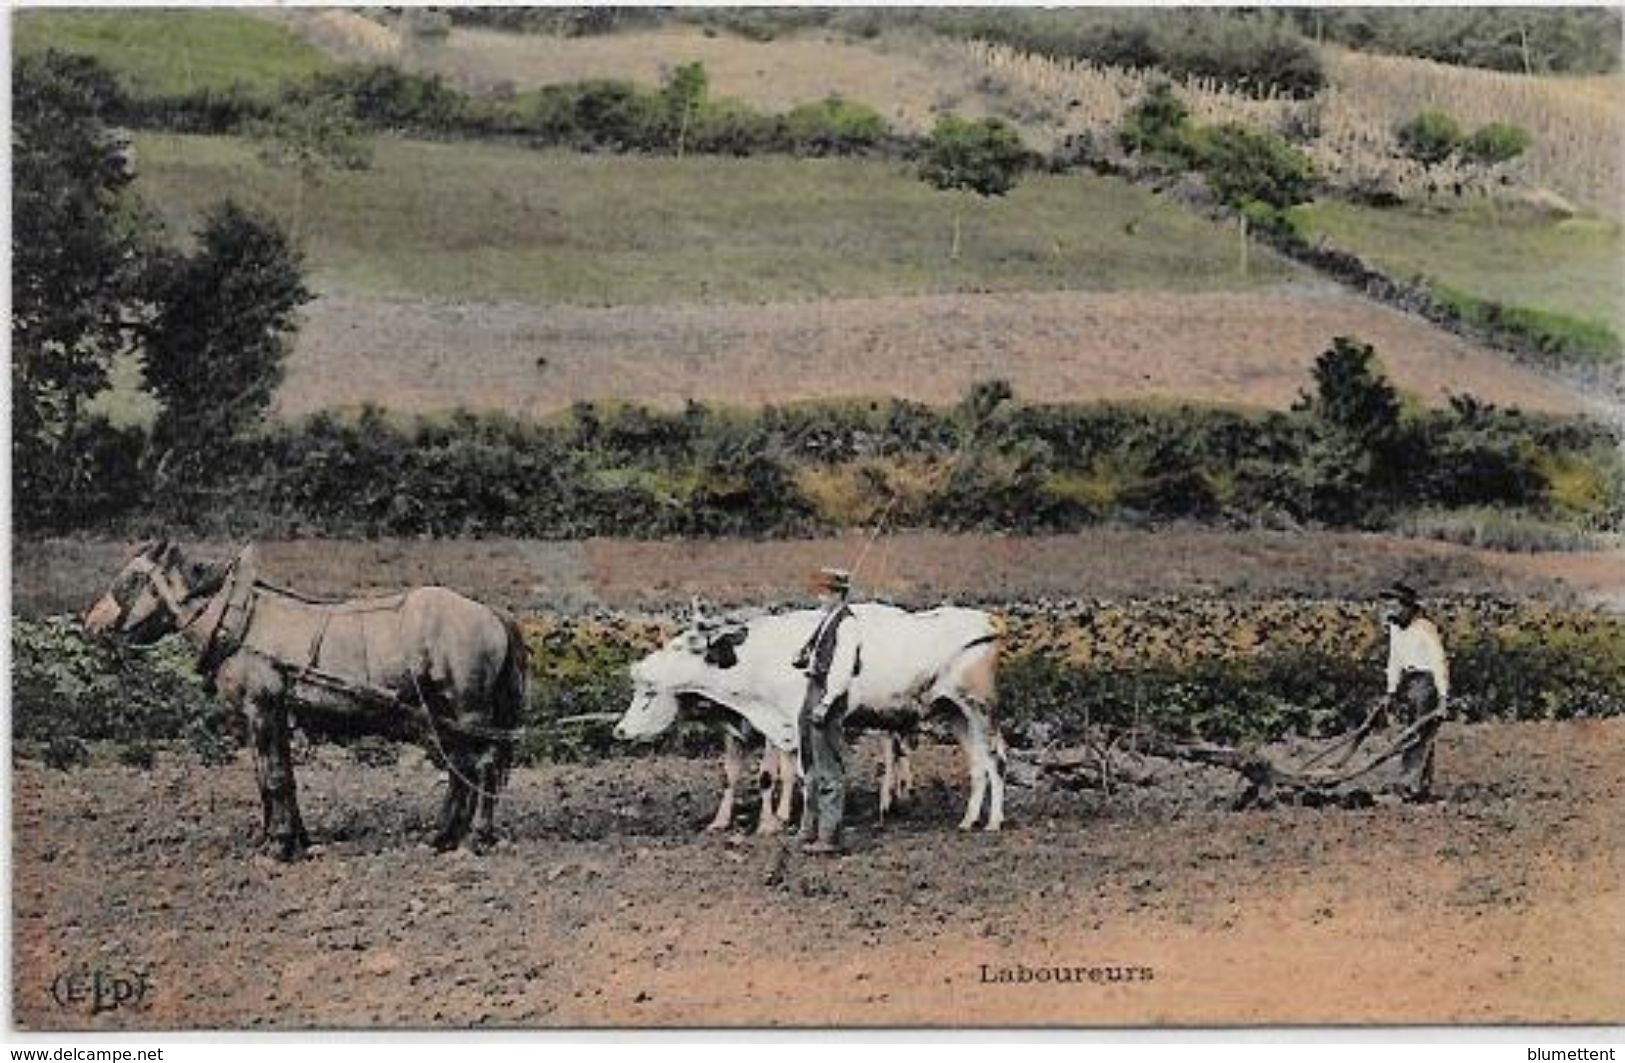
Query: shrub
(1430, 138)
(1159, 124)
(67, 685)
(1494, 144)
(1244, 167)
(833, 127)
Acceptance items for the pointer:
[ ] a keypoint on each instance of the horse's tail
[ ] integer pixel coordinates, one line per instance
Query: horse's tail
(512, 691)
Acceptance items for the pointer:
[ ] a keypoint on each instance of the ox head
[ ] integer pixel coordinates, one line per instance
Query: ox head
(683, 665)
(143, 603)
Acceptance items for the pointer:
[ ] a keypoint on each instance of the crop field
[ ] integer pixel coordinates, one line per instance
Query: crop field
(605, 906)
(57, 576)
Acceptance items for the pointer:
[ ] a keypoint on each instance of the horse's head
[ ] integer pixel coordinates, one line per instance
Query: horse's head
(145, 600)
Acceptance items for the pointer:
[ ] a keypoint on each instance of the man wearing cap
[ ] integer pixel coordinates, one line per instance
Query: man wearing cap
(1418, 681)
(830, 659)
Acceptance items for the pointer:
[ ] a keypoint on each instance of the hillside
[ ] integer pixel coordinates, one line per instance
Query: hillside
(175, 51)
(764, 246)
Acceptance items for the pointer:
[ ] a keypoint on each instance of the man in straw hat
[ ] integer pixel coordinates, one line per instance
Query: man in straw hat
(1418, 681)
(830, 659)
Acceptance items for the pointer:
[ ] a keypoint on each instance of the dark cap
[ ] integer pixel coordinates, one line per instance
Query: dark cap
(1403, 593)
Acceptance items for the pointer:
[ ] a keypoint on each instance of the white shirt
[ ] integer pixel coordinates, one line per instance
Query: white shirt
(1417, 648)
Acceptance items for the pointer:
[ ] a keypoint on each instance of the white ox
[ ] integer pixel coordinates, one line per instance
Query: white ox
(914, 665)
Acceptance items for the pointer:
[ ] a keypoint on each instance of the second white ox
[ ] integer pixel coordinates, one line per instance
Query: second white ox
(913, 665)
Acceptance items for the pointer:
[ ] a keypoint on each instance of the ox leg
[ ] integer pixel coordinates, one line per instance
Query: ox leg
(769, 775)
(970, 740)
(284, 829)
(905, 768)
(733, 757)
(787, 785)
(992, 750)
(888, 774)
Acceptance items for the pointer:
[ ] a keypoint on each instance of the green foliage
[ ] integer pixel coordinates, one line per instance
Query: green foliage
(1247, 51)
(1566, 40)
(1560, 340)
(79, 247)
(1346, 457)
(1430, 138)
(1352, 395)
(68, 688)
(1158, 124)
(1494, 144)
(175, 53)
(214, 352)
(985, 156)
(1244, 167)
(834, 127)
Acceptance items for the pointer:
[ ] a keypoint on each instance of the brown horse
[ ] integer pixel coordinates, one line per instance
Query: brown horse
(427, 659)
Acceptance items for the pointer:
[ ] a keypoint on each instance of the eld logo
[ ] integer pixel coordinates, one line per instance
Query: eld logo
(98, 989)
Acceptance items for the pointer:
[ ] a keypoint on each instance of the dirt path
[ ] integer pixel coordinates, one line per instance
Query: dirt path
(1502, 902)
(65, 575)
(417, 356)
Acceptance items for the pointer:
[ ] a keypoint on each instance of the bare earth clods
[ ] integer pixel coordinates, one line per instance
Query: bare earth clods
(416, 356)
(1501, 902)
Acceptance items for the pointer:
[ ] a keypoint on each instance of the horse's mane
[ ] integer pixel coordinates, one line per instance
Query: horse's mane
(204, 578)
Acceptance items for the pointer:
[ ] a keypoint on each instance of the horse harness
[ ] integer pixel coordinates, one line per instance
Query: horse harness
(233, 605)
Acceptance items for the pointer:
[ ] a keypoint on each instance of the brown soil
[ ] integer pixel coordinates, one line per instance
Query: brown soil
(65, 575)
(1246, 349)
(1502, 902)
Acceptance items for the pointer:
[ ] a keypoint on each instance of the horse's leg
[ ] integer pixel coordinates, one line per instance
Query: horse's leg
(493, 773)
(787, 786)
(287, 830)
(733, 756)
(254, 711)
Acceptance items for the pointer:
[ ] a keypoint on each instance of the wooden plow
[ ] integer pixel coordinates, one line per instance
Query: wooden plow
(1345, 769)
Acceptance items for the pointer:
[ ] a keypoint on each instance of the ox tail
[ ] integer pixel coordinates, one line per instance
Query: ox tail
(988, 694)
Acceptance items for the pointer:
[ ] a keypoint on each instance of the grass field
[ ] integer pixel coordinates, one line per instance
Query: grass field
(1518, 258)
(498, 222)
(174, 51)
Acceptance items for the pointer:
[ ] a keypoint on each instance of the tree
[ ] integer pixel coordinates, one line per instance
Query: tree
(685, 94)
(214, 352)
(78, 253)
(1353, 461)
(311, 134)
(985, 157)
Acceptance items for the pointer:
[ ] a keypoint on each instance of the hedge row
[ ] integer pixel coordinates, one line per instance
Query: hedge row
(606, 115)
(630, 471)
